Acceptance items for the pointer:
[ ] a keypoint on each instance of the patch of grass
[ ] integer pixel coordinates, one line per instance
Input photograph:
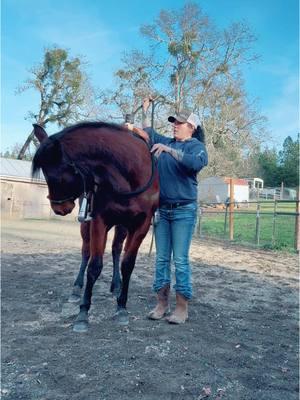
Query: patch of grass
(273, 234)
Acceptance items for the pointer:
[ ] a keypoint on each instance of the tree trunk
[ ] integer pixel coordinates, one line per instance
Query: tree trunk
(25, 146)
(30, 138)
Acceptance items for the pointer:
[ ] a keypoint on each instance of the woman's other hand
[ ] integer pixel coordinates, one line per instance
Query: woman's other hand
(158, 148)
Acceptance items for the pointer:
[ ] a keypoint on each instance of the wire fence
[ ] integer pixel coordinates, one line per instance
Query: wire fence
(263, 224)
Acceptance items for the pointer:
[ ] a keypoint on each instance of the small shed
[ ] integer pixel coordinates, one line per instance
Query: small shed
(217, 189)
(21, 195)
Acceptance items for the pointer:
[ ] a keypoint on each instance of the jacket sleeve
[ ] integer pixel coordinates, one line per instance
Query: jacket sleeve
(195, 157)
(156, 137)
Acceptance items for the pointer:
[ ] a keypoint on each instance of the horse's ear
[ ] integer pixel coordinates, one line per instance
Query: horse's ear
(39, 132)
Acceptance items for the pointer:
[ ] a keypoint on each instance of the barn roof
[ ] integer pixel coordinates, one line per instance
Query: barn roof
(18, 170)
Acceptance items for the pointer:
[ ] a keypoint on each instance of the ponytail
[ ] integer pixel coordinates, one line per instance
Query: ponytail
(199, 134)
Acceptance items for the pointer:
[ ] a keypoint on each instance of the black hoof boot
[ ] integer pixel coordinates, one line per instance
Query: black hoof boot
(81, 324)
(75, 295)
(121, 316)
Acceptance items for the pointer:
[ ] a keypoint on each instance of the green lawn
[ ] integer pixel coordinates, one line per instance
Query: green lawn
(212, 225)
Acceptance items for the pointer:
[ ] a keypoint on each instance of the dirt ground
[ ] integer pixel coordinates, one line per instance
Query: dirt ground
(241, 341)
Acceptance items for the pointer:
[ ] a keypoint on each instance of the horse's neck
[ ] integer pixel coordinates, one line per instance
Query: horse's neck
(116, 153)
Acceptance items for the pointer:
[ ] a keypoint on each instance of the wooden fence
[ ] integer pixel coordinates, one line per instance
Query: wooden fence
(281, 214)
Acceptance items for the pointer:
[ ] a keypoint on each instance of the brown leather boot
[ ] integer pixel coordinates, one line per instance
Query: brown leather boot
(162, 306)
(180, 314)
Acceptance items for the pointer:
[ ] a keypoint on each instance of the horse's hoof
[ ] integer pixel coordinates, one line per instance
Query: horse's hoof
(121, 317)
(76, 295)
(80, 327)
(82, 322)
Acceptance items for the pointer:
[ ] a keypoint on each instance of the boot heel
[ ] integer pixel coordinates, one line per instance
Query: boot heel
(180, 314)
(162, 307)
(155, 315)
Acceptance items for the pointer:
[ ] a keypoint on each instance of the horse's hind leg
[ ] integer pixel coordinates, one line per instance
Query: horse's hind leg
(119, 237)
(95, 265)
(133, 242)
(85, 255)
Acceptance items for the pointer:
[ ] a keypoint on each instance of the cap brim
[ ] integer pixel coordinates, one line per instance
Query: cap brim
(176, 118)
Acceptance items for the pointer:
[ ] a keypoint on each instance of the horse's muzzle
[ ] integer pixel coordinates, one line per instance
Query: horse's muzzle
(64, 208)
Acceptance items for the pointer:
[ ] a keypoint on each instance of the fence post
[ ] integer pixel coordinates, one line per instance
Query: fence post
(297, 222)
(231, 209)
(274, 223)
(225, 219)
(281, 190)
(257, 229)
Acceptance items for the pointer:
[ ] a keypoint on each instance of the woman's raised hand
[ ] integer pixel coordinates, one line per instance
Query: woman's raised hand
(129, 126)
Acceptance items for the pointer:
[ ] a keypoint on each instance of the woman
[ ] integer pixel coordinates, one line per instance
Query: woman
(179, 160)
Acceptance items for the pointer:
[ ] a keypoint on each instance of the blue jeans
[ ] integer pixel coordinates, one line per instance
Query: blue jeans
(173, 234)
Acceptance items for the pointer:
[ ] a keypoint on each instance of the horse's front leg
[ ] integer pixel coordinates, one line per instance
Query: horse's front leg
(85, 255)
(98, 235)
(119, 237)
(133, 242)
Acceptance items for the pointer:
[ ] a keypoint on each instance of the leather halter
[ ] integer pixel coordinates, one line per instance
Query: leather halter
(52, 201)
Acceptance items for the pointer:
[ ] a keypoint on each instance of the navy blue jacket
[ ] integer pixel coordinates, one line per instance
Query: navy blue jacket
(178, 176)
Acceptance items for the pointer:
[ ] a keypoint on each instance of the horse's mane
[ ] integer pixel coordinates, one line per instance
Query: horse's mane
(51, 149)
(92, 124)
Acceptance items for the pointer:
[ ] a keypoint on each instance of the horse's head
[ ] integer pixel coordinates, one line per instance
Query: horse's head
(64, 183)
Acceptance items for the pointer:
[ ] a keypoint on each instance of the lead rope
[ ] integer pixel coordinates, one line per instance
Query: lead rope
(153, 218)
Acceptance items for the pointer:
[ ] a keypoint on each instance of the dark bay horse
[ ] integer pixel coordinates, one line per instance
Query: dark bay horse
(117, 168)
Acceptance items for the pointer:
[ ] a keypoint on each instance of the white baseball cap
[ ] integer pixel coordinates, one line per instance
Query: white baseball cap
(185, 116)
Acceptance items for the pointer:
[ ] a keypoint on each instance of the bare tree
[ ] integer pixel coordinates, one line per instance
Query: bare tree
(190, 63)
